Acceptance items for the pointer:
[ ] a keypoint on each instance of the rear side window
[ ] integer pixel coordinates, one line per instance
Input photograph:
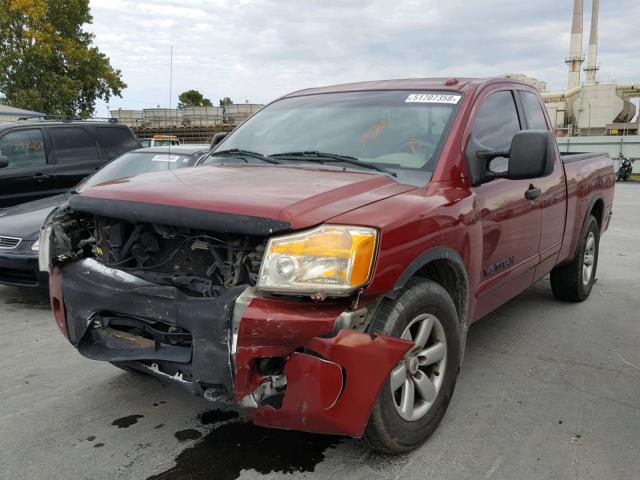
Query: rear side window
(73, 145)
(23, 148)
(495, 125)
(115, 141)
(533, 111)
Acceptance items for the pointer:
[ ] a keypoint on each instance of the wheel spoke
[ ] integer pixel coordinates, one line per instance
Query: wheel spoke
(398, 376)
(407, 335)
(432, 354)
(588, 260)
(424, 331)
(590, 242)
(407, 398)
(425, 387)
(585, 273)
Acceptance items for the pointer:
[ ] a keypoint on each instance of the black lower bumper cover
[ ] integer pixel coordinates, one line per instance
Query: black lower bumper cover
(91, 289)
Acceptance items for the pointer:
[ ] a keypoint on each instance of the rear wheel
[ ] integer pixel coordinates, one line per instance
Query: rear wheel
(573, 282)
(415, 396)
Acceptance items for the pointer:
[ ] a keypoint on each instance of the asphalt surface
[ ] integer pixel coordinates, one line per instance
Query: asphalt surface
(548, 390)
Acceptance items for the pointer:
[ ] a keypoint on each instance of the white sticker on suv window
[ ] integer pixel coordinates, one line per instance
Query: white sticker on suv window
(165, 158)
(433, 98)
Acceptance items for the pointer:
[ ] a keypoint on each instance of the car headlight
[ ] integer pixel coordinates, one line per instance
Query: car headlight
(36, 245)
(328, 259)
(44, 254)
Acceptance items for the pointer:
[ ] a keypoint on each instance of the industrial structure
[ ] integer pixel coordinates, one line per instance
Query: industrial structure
(186, 116)
(591, 108)
(189, 124)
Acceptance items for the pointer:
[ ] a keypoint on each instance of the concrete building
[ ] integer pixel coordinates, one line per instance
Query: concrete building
(11, 114)
(592, 107)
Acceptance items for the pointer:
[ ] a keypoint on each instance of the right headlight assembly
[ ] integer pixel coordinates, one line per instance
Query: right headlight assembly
(330, 259)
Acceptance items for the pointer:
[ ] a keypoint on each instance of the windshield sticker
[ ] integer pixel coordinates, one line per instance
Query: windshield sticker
(165, 158)
(433, 98)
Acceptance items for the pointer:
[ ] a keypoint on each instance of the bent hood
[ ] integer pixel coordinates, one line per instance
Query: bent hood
(290, 197)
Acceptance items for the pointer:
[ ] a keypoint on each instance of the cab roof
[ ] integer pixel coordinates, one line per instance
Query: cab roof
(446, 84)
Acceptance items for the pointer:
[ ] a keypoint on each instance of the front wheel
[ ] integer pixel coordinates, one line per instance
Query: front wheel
(415, 397)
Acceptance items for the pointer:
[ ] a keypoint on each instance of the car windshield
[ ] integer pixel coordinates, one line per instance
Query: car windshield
(135, 163)
(399, 131)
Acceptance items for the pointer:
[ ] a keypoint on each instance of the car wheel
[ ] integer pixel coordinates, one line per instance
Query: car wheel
(415, 397)
(573, 282)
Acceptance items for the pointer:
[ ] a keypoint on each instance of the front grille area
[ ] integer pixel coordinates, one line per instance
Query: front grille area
(9, 242)
(199, 263)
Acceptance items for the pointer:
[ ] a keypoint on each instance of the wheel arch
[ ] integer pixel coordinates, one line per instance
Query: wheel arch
(444, 266)
(595, 208)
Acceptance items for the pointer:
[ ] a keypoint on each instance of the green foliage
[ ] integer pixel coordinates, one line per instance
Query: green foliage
(48, 63)
(193, 98)
(226, 101)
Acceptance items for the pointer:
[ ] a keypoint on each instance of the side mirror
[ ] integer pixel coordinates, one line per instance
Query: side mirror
(217, 138)
(531, 155)
(4, 162)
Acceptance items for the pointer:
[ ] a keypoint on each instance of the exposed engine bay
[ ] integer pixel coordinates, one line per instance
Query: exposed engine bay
(199, 263)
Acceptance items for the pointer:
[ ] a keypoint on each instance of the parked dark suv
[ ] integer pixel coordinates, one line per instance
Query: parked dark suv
(47, 157)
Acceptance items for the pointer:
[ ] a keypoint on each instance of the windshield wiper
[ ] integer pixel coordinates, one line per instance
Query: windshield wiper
(245, 153)
(320, 156)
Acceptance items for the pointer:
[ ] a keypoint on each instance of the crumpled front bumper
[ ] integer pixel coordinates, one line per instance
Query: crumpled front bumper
(331, 376)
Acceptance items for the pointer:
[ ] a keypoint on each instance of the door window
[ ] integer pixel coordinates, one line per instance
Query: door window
(73, 145)
(115, 140)
(533, 111)
(23, 148)
(495, 125)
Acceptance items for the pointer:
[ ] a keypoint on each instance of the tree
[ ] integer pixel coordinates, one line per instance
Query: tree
(48, 62)
(193, 98)
(226, 101)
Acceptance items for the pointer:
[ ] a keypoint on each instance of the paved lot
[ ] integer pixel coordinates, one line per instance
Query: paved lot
(548, 391)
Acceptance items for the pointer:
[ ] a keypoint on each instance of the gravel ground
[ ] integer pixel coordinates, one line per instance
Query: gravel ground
(548, 390)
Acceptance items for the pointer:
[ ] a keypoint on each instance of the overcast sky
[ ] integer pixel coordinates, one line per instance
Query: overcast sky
(258, 50)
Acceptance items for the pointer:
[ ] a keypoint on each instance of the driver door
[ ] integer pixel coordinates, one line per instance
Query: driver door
(510, 222)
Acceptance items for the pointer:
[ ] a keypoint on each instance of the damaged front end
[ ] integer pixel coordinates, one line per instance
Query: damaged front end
(141, 289)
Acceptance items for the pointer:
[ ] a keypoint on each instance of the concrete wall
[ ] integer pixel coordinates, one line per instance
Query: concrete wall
(629, 146)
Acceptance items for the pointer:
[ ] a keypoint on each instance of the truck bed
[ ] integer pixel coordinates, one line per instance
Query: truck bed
(570, 157)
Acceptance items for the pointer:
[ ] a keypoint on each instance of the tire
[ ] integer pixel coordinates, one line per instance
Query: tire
(389, 430)
(570, 282)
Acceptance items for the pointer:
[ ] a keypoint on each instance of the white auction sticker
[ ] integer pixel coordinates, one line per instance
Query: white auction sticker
(166, 158)
(433, 98)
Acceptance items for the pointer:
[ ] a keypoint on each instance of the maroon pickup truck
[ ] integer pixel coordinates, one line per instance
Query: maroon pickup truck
(321, 269)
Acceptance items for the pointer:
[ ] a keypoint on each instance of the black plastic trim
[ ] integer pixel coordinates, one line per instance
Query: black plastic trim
(178, 216)
(592, 203)
(437, 253)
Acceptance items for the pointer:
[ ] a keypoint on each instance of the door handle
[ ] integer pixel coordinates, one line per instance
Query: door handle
(40, 177)
(532, 193)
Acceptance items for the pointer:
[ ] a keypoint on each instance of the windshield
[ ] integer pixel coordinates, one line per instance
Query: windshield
(135, 163)
(400, 131)
(146, 142)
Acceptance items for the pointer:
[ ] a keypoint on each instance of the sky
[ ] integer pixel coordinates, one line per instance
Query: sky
(258, 50)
